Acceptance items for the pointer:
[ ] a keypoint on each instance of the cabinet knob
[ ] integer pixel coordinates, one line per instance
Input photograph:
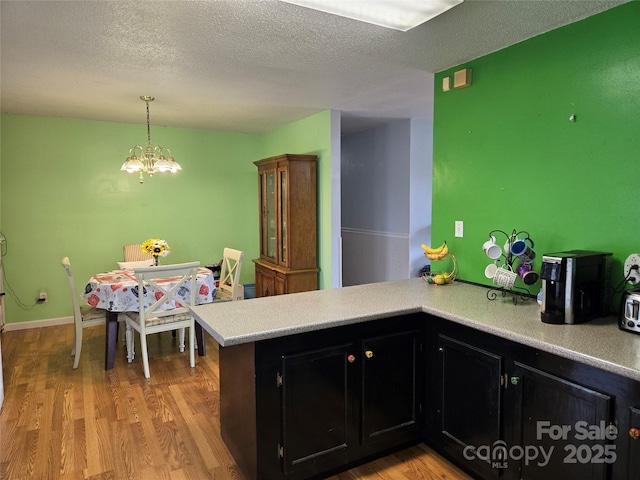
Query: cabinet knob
(368, 353)
(351, 358)
(515, 380)
(634, 433)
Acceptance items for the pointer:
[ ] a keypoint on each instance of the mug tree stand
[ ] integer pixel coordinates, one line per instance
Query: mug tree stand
(509, 259)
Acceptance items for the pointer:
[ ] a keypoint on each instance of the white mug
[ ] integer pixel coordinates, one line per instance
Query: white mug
(510, 241)
(491, 270)
(491, 249)
(504, 277)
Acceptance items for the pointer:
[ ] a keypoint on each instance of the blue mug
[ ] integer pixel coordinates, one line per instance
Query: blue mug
(523, 249)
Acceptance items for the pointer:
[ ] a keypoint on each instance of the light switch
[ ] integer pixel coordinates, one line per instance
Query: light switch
(459, 229)
(446, 84)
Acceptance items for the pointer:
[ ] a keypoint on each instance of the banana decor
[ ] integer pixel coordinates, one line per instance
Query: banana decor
(436, 253)
(440, 253)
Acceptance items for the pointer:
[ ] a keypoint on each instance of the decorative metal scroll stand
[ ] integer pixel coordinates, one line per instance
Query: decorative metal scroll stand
(515, 291)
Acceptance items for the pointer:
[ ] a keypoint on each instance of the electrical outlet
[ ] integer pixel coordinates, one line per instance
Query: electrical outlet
(42, 298)
(632, 269)
(459, 228)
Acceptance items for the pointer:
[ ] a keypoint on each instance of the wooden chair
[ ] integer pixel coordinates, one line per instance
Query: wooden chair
(83, 316)
(151, 319)
(134, 253)
(229, 275)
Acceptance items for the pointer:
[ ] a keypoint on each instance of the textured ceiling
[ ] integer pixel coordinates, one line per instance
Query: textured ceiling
(244, 66)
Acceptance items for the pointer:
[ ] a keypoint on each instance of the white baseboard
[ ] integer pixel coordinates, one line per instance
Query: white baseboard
(47, 322)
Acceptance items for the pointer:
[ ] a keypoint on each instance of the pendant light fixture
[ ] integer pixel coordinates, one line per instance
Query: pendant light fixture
(149, 160)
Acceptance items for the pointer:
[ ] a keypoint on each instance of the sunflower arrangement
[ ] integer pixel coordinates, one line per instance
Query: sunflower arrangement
(156, 247)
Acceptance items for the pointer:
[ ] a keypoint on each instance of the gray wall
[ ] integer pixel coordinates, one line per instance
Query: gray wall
(420, 178)
(386, 201)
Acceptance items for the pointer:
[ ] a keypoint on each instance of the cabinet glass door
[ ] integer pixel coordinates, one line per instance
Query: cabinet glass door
(283, 217)
(268, 187)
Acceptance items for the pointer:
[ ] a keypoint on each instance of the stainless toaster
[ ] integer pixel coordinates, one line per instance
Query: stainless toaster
(630, 311)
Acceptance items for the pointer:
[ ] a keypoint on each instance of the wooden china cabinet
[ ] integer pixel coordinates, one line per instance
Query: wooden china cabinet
(288, 225)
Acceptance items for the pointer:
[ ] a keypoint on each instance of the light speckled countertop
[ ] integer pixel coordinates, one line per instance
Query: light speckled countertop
(599, 343)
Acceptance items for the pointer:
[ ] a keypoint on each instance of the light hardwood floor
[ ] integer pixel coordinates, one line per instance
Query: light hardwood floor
(60, 423)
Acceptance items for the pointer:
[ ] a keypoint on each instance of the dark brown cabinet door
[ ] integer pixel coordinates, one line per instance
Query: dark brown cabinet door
(566, 421)
(343, 402)
(470, 407)
(510, 411)
(631, 436)
(392, 390)
(318, 408)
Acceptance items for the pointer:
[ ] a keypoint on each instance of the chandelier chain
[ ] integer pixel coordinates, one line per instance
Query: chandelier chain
(148, 125)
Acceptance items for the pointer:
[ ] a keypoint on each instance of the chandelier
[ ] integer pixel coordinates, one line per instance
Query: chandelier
(149, 160)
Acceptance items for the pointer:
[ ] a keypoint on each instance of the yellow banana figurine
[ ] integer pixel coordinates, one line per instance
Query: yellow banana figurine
(436, 253)
(428, 249)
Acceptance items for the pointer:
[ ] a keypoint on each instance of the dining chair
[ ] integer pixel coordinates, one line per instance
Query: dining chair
(229, 275)
(134, 253)
(151, 318)
(83, 316)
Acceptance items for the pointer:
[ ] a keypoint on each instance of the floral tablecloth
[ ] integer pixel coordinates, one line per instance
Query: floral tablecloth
(117, 291)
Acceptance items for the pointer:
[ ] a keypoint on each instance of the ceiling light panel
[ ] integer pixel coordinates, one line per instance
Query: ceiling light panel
(397, 14)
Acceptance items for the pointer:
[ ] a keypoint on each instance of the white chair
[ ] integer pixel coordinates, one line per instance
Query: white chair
(134, 253)
(229, 275)
(83, 316)
(151, 319)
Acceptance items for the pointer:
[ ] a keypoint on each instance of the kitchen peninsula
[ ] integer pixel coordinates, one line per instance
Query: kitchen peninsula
(271, 348)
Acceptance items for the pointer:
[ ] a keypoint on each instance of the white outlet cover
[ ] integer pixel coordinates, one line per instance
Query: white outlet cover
(634, 277)
(459, 228)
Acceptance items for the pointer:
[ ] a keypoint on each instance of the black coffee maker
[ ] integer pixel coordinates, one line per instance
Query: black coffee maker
(575, 286)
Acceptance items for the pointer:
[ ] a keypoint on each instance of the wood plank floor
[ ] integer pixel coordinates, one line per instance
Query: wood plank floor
(60, 423)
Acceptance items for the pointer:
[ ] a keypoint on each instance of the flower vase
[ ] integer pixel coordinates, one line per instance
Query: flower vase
(156, 260)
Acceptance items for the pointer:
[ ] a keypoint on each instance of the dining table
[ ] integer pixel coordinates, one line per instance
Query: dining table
(116, 292)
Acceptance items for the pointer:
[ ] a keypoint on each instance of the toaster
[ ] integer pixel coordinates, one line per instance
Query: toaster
(630, 311)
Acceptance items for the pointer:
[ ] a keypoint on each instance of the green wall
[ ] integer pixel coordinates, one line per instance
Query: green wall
(62, 194)
(507, 157)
